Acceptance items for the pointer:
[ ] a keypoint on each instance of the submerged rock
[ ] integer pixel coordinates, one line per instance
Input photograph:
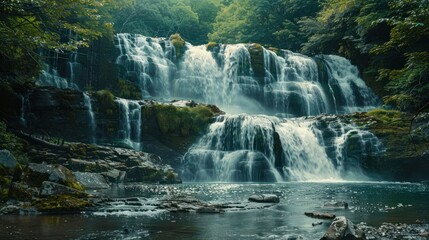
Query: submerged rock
(343, 229)
(320, 215)
(264, 198)
(336, 204)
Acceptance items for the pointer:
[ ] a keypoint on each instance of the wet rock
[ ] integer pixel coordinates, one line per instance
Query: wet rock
(264, 198)
(22, 192)
(343, 229)
(316, 223)
(320, 215)
(188, 204)
(62, 203)
(51, 188)
(9, 209)
(114, 176)
(91, 180)
(7, 159)
(389, 231)
(38, 173)
(336, 204)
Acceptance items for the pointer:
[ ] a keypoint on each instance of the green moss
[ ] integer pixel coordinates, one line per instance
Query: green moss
(392, 128)
(178, 43)
(5, 182)
(183, 121)
(128, 90)
(211, 45)
(61, 203)
(385, 116)
(171, 178)
(8, 141)
(105, 98)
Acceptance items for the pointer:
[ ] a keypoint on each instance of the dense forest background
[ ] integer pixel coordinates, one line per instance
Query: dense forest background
(387, 39)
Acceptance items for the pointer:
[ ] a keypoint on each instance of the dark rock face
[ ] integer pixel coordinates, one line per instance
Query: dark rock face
(343, 229)
(264, 198)
(38, 173)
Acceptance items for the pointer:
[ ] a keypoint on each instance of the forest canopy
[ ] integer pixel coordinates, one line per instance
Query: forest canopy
(386, 39)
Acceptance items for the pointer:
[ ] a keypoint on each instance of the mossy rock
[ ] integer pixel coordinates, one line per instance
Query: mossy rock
(62, 203)
(183, 121)
(128, 90)
(256, 52)
(105, 98)
(211, 46)
(179, 44)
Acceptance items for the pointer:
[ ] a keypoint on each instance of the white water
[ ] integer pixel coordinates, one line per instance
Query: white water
(291, 84)
(130, 122)
(255, 148)
(93, 125)
(243, 78)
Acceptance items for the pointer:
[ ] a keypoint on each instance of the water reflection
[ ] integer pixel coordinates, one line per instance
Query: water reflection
(368, 202)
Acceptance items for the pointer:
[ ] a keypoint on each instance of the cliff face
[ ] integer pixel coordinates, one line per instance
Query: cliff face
(385, 148)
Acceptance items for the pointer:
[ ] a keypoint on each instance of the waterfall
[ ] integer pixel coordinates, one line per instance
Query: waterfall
(255, 148)
(50, 77)
(349, 92)
(245, 77)
(130, 122)
(22, 119)
(93, 126)
(148, 62)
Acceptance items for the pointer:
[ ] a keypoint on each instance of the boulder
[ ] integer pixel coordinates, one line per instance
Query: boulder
(51, 188)
(114, 176)
(336, 204)
(264, 198)
(7, 159)
(343, 229)
(38, 173)
(22, 192)
(320, 215)
(91, 180)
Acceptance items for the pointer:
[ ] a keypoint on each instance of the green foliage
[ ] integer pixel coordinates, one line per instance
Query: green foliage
(191, 18)
(386, 39)
(27, 26)
(15, 145)
(273, 22)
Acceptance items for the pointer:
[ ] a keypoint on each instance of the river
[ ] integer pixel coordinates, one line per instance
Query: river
(370, 202)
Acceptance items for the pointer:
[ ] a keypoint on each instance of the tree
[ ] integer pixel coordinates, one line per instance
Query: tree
(29, 25)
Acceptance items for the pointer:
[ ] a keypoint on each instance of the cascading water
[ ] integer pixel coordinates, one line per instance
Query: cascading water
(93, 126)
(130, 122)
(50, 77)
(261, 148)
(148, 62)
(246, 78)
